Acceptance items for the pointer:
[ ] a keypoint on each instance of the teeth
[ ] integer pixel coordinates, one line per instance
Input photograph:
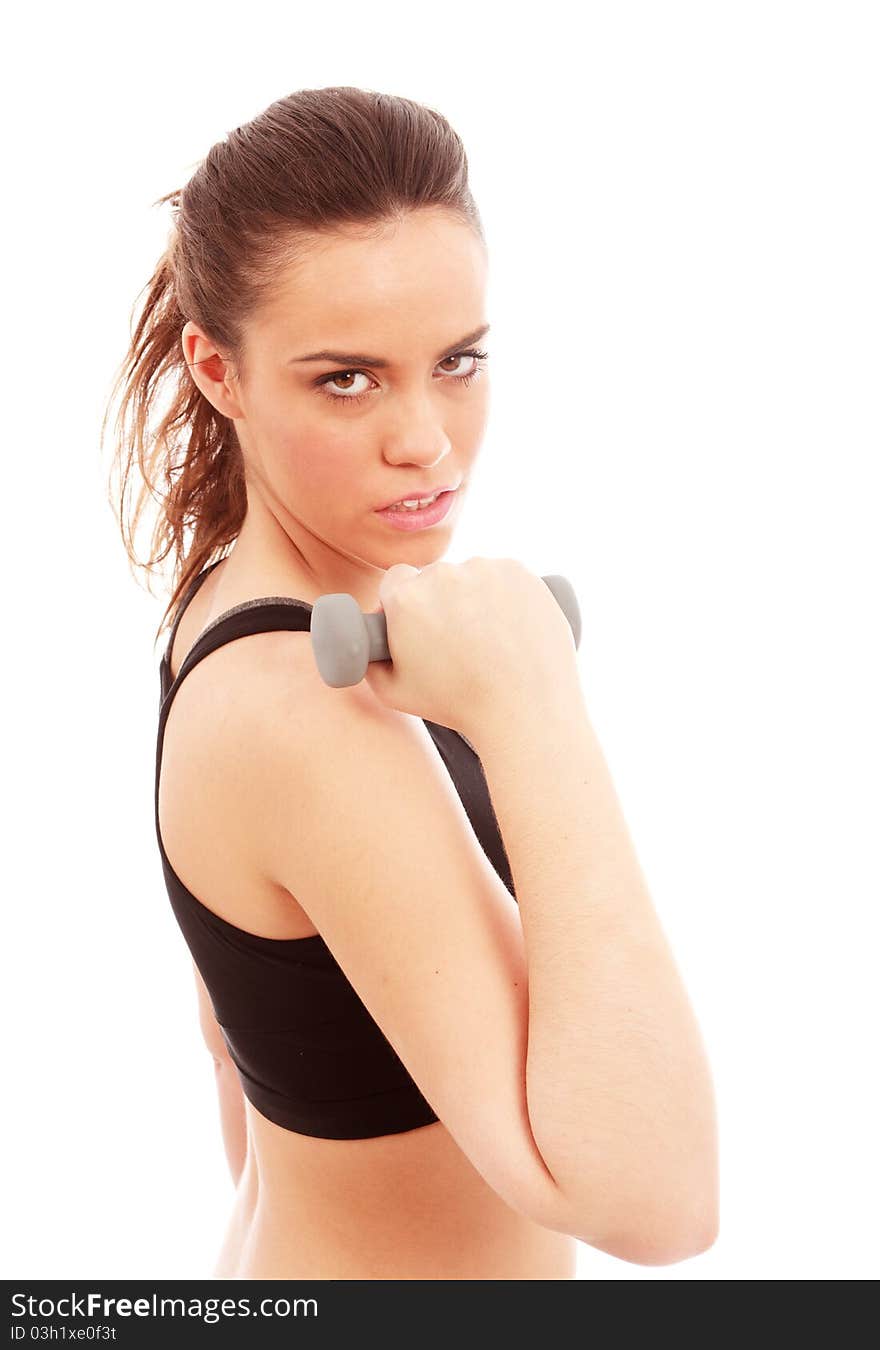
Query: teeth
(416, 503)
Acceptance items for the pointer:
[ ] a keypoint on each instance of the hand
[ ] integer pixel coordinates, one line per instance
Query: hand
(467, 639)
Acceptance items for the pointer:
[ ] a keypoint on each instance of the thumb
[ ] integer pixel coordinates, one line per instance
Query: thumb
(396, 575)
(380, 675)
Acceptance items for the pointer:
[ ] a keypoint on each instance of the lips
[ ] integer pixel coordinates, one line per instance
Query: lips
(422, 518)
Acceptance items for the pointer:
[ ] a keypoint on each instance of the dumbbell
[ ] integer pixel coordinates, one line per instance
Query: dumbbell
(345, 640)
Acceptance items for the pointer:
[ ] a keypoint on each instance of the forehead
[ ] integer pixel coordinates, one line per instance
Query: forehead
(429, 265)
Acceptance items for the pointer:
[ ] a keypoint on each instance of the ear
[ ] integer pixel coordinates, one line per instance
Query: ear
(210, 371)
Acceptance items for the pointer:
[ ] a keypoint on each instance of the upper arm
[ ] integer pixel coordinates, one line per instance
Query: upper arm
(354, 813)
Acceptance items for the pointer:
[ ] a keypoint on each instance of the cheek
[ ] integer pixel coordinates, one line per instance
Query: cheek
(319, 466)
(467, 427)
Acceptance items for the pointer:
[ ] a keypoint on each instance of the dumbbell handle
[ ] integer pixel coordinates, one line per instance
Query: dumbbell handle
(563, 593)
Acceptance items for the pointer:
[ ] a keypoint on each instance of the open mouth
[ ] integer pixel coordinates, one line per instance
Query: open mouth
(419, 517)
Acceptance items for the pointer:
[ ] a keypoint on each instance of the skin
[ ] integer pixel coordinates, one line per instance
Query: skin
(316, 470)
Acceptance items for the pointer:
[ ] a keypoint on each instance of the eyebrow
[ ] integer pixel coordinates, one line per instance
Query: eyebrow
(359, 359)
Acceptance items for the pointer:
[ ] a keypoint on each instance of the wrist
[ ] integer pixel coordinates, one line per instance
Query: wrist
(517, 719)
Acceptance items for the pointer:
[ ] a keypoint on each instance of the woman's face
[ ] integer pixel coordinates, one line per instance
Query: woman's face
(394, 406)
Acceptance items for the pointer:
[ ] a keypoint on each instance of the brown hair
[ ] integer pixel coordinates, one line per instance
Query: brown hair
(313, 161)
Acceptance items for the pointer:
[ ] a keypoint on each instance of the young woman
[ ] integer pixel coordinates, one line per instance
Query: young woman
(450, 1038)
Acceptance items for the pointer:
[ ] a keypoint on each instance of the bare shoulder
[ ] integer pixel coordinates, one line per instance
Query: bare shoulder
(350, 808)
(207, 750)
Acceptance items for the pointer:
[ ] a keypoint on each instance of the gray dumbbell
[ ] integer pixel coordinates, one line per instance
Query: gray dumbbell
(345, 640)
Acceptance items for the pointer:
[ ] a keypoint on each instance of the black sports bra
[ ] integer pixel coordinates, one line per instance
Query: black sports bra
(309, 1055)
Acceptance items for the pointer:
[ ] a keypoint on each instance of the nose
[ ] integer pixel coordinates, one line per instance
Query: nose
(415, 435)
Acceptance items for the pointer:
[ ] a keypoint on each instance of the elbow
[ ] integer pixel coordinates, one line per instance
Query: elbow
(658, 1231)
(646, 1247)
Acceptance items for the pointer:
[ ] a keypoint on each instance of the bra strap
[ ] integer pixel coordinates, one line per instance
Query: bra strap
(187, 597)
(266, 614)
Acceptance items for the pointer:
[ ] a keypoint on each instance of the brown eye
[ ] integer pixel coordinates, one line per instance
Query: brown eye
(344, 390)
(458, 357)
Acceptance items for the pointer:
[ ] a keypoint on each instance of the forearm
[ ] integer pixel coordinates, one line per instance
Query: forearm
(619, 1091)
(233, 1122)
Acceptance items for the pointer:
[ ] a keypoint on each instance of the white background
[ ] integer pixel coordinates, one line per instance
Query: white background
(681, 202)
